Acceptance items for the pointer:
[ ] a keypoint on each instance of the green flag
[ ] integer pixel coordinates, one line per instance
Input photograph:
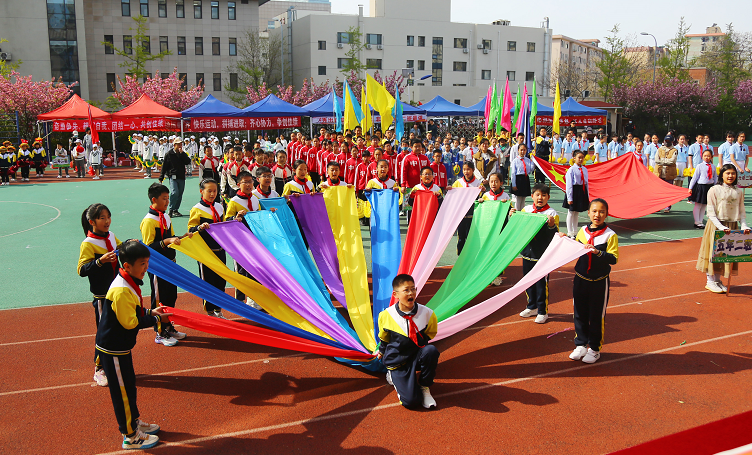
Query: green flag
(534, 108)
(500, 112)
(517, 105)
(494, 107)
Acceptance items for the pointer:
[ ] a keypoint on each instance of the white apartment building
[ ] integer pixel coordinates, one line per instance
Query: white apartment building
(273, 8)
(701, 42)
(580, 54)
(461, 59)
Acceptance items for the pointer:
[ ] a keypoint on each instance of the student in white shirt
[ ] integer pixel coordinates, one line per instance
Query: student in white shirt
(519, 172)
(739, 153)
(95, 160)
(577, 199)
(600, 153)
(703, 179)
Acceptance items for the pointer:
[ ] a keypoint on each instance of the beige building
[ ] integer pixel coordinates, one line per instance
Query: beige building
(701, 42)
(573, 63)
(271, 9)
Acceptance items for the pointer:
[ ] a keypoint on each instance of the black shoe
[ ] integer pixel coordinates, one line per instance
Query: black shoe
(178, 214)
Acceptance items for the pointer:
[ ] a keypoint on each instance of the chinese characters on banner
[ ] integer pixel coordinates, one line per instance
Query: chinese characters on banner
(242, 123)
(732, 247)
(376, 119)
(584, 120)
(744, 180)
(135, 124)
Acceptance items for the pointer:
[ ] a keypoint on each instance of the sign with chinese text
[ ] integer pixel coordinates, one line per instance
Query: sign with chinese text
(242, 123)
(579, 120)
(732, 247)
(134, 124)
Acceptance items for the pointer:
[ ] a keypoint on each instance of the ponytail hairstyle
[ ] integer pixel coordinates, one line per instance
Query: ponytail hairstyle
(92, 213)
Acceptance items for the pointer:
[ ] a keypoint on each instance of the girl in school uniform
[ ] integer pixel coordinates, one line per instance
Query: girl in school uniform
(577, 192)
(556, 146)
(682, 156)
(600, 154)
(95, 160)
(468, 180)
(726, 212)
(496, 193)
(300, 183)
(519, 171)
(703, 179)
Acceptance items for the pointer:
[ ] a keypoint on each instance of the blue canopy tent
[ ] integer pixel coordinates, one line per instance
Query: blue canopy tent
(570, 108)
(439, 107)
(479, 107)
(542, 110)
(271, 106)
(323, 107)
(211, 107)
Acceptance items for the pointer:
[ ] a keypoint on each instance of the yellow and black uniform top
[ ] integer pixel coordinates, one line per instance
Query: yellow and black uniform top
(491, 196)
(155, 228)
(298, 186)
(534, 250)
(202, 213)
(261, 194)
(597, 266)
(100, 274)
(396, 347)
(377, 184)
(240, 202)
(123, 315)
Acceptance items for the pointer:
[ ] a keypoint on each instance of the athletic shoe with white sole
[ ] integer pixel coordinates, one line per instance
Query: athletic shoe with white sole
(541, 319)
(428, 401)
(148, 428)
(389, 377)
(100, 378)
(497, 281)
(591, 356)
(172, 332)
(218, 314)
(528, 313)
(252, 303)
(714, 287)
(578, 353)
(139, 441)
(723, 288)
(166, 341)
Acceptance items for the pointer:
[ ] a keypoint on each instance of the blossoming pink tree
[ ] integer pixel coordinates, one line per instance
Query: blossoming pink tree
(310, 91)
(168, 92)
(30, 98)
(743, 93)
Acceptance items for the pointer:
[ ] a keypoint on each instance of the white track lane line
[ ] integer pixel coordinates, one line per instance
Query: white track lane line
(32, 228)
(579, 367)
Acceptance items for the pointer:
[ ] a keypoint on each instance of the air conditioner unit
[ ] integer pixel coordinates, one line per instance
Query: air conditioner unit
(480, 46)
(6, 56)
(380, 47)
(368, 46)
(485, 51)
(340, 45)
(465, 50)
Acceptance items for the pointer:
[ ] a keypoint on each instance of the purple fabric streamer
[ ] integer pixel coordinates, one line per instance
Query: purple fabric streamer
(311, 212)
(248, 251)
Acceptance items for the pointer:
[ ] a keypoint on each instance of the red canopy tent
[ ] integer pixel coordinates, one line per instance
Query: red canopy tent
(146, 115)
(74, 115)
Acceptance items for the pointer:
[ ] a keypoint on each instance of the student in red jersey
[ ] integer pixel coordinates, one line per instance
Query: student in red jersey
(341, 156)
(439, 170)
(325, 156)
(361, 143)
(281, 171)
(412, 164)
(427, 184)
(292, 144)
(304, 150)
(362, 171)
(350, 166)
(374, 144)
(322, 134)
(391, 158)
(373, 163)
(312, 161)
(333, 176)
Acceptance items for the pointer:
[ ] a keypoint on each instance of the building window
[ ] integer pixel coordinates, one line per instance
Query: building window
(459, 66)
(233, 81)
(511, 45)
(373, 38)
(197, 11)
(233, 46)
(231, 11)
(180, 8)
(199, 79)
(217, 79)
(421, 65)
(343, 62)
(530, 47)
(410, 40)
(163, 44)
(128, 44)
(510, 75)
(487, 44)
(322, 45)
(437, 61)
(125, 7)
(343, 37)
(181, 45)
(183, 80)
(485, 75)
(145, 8)
(162, 8)
(110, 82)
(215, 46)
(215, 10)
(410, 64)
(322, 70)
(109, 43)
(146, 44)
(422, 41)
(530, 76)
(199, 45)
(373, 63)
(460, 43)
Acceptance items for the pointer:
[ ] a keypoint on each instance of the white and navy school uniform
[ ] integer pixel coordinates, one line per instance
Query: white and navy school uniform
(537, 294)
(518, 173)
(463, 230)
(695, 151)
(740, 153)
(202, 213)
(702, 181)
(260, 194)
(556, 148)
(682, 156)
(601, 151)
(577, 189)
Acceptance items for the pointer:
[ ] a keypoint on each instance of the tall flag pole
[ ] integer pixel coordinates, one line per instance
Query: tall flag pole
(557, 109)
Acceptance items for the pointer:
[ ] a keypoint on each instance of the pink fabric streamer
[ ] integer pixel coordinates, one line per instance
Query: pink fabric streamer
(488, 106)
(523, 111)
(455, 206)
(561, 251)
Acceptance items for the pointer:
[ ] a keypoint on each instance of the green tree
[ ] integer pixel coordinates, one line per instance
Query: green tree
(259, 60)
(136, 57)
(728, 61)
(353, 63)
(674, 62)
(6, 67)
(616, 67)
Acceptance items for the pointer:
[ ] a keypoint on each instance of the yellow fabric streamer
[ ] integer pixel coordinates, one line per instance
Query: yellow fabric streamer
(340, 205)
(196, 248)
(364, 208)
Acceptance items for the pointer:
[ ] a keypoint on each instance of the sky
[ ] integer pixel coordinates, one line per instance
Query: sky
(580, 20)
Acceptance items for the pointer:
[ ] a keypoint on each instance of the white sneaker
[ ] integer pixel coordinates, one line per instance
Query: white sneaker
(591, 356)
(723, 288)
(541, 319)
(95, 178)
(252, 303)
(100, 378)
(428, 401)
(174, 333)
(140, 441)
(167, 341)
(148, 428)
(528, 313)
(389, 377)
(218, 314)
(714, 287)
(59, 176)
(497, 281)
(578, 353)
(147, 176)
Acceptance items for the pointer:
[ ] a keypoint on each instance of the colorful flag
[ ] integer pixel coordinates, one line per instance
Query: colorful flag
(557, 109)
(534, 104)
(487, 110)
(506, 116)
(366, 123)
(500, 113)
(520, 110)
(494, 108)
(94, 133)
(381, 100)
(517, 104)
(353, 114)
(399, 122)
(337, 112)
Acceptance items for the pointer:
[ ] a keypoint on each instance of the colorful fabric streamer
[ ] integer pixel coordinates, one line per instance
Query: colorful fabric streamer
(340, 206)
(425, 206)
(311, 211)
(386, 247)
(560, 251)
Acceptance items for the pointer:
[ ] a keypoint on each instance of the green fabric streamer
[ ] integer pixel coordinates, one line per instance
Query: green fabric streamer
(489, 250)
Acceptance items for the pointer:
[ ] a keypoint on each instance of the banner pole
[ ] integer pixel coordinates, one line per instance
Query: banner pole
(728, 285)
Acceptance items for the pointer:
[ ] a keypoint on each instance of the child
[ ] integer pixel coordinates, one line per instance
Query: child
(726, 213)
(556, 147)
(123, 316)
(351, 164)
(39, 157)
(95, 160)
(24, 160)
(601, 150)
(439, 170)
(426, 184)
(405, 329)
(519, 171)
(313, 160)
(157, 233)
(382, 181)
(363, 170)
(230, 171)
(739, 153)
(496, 193)
(6, 161)
(61, 156)
(543, 151)
(591, 283)
(537, 294)
(300, 183)
(264, 188)
(468, 179)
(665, 163)
(207, 212)
(577, 198)
(682, 157)
(281, 171)
(703, 179)
(209, 164)
(98, 261)
(332, 172)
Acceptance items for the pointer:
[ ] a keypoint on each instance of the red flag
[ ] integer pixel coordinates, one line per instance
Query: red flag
(94, 134)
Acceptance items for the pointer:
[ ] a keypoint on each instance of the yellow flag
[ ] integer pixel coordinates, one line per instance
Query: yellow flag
(351, 119)
(557, 109)
(367, 122)
(381, 100)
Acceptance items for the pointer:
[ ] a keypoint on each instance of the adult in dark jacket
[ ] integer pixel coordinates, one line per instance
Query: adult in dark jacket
(173, 167)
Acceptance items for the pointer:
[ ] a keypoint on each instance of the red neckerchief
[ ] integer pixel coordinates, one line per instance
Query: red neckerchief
(582, 175)
(230, 165)
(383, 181)
(128, 279)
(246, 196)
(541, 209)
(591, 240)
(524, 166)
(107, 243)
(304, 184)
(426, 188)
(265, 194)
(162, 221)
(412, 328)
(494, 195)
(215, 214)
(331, 182)
(284, 170)
(467, 183)
(710, 172)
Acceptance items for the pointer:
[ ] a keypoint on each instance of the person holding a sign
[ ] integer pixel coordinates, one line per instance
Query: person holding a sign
(61, 161)
(726, 212)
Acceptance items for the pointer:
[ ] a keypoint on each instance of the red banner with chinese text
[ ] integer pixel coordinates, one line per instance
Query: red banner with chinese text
(579, 120)
(134, 124)
(242, 123)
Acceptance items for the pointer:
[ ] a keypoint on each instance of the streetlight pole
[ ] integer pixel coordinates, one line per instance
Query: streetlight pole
(655, 52)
